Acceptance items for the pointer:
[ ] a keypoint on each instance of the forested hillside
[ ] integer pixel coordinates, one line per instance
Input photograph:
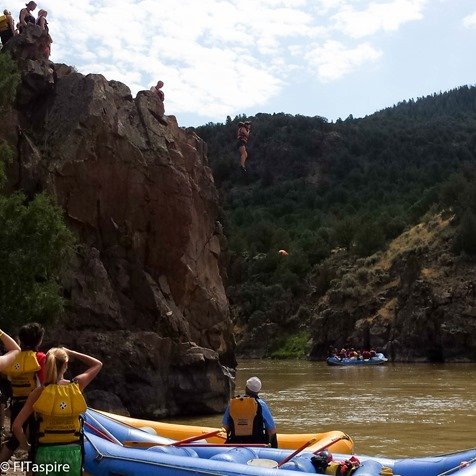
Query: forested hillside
(313, 187)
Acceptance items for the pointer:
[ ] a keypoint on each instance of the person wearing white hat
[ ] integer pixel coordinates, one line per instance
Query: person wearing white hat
(247, 418)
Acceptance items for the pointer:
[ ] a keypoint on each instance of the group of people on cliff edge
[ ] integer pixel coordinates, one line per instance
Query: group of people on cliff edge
(8, 29)
(45, 406)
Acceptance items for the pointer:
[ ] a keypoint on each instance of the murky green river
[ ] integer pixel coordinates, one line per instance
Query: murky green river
(391, 410)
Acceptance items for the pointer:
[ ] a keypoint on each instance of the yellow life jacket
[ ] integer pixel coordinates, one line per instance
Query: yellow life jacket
(22, 373)
(4, 26)
(243, 411)
(57, 411)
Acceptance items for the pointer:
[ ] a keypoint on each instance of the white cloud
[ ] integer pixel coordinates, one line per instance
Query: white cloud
(219, 57)
(333, 60)
(377, 16)
(470, 21)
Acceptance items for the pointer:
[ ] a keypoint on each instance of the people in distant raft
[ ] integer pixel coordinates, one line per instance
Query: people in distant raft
(25, 373)
(243, 134)
(7, 26)
(247, 418)
(26, 16)
(57, 407)
(157, 89)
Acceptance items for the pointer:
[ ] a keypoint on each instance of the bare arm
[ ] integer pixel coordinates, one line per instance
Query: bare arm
(23, 13)
(22, 417)
(12, 350)
(11, 23)
(94, 367)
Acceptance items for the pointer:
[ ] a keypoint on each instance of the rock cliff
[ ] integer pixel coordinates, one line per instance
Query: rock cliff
(146, 292)
(415, 301)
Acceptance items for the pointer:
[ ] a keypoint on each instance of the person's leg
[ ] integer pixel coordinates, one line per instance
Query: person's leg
(243, 156)
(2, 421)
(12, 444)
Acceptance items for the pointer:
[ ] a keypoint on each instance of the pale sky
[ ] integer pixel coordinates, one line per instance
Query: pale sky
(328, 58)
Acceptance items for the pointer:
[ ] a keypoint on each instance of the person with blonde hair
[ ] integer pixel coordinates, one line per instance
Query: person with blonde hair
(26, 17)
(57, 407)
(41, 20)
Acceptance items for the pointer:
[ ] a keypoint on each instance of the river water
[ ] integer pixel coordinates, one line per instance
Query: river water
(390, 410)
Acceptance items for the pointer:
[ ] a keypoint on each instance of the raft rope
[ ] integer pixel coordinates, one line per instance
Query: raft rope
(100, 456)
(457, 468)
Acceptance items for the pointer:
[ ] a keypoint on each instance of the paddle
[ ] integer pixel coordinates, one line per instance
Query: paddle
(309, 443)
(142, 444)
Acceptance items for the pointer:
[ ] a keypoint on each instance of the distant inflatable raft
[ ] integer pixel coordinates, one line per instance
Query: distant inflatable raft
(379, 359)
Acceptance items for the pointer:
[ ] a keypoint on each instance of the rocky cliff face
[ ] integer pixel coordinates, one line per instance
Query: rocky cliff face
(146, 293)
(416, 301)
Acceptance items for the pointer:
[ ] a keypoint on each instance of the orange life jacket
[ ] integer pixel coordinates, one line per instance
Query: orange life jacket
(247, 425)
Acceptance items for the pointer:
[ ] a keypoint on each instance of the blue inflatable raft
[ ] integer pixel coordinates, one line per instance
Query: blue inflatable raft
(107, 451)
(379, 359)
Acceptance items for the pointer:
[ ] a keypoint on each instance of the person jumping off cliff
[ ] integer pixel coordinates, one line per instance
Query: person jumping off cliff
(243, 134)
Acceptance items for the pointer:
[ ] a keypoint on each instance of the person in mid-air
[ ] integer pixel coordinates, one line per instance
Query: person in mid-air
(243, 134)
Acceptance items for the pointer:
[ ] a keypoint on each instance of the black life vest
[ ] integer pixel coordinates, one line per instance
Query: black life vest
(247, 424)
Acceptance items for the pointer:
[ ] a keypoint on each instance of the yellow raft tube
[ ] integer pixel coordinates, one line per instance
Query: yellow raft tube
(335, 441)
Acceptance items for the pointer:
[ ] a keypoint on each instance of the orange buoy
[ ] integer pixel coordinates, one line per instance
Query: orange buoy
(283, 253)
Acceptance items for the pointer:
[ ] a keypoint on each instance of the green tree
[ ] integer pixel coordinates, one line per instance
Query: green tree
(9, 80)
(368, 239)
(466, 235)
(35, 246)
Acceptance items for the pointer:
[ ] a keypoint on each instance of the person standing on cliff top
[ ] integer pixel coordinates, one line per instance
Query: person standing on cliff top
(26, 16)
(157, 89)
(45, 44)
(7, 26)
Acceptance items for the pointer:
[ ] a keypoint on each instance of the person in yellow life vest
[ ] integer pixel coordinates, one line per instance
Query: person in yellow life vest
(247, 419)
(13, 349)
(7, 26)
(242, 136)
(25, 374)
(57, 407)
